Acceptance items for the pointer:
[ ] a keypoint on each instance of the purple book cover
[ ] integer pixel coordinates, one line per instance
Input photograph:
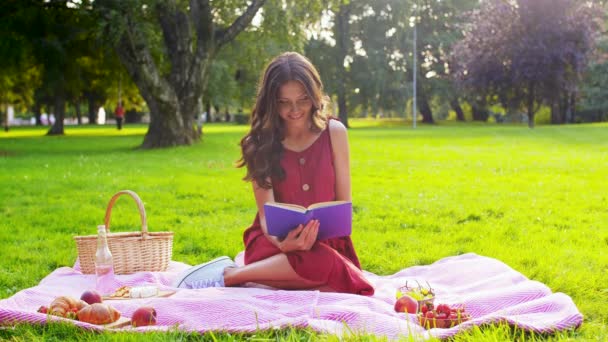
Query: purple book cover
(335, 220)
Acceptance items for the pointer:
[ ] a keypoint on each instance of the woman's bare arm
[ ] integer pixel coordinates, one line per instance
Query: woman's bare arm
(262, 196)
(339, 141)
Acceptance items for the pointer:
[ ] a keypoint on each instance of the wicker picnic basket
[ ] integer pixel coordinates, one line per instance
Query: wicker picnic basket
(132, 251)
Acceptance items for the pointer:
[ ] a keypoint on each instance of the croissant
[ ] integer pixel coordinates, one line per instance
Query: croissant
(64, 306)
(98, 314)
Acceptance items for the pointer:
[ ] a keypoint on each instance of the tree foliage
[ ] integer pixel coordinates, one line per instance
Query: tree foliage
(19, 74)
(49, 50)
(168, 48)
(594, 88)
(236, 70)
(178, 58)
(374, 60)
(526, 52)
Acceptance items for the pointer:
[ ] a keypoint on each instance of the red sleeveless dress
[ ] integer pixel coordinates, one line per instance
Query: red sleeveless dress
(310, 178)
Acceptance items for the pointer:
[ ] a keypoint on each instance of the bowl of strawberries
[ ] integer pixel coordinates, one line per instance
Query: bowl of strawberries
(442, 316)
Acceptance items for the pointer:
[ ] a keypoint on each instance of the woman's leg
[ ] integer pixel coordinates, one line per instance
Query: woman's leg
(273, 271)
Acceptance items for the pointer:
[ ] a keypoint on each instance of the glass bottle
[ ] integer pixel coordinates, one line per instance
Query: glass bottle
(104, 264)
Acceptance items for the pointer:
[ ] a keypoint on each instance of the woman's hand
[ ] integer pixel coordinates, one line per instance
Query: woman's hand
(301, 238)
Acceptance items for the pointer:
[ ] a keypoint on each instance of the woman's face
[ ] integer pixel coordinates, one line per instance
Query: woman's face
(294, 104)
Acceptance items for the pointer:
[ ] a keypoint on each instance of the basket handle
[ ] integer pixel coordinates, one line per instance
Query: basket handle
(140, 207)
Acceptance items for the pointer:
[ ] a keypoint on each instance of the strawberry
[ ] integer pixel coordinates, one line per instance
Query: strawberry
(43, 309)
(443, 308)
(424, 309)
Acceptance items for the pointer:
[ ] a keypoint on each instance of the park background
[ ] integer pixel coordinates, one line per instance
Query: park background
(471, 177)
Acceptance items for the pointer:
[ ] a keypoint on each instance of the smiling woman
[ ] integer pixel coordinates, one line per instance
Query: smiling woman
(290, 78)
(293, 89)
(294, 154)
(294, 115)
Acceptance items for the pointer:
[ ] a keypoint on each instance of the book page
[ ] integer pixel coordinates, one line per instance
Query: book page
(326, 204)
(288, 206)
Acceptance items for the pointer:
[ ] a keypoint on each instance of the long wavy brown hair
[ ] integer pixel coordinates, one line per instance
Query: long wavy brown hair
(261, 148)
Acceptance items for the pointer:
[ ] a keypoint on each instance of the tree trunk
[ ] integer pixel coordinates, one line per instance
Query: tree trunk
(342, 42)
(425, 109)
(59, 109)
(559, 109)
(208, 110)
(50, 107)
(457, 109)
(571, 108)
(191, 41)
(226, 115)
(171, 116)
(207, 117)
(93, 108)
(342, 112)
(554, 112)
(4, 116)
(78, 114)
(531, 119)
(530, 106)
(170, 124)
(480, 113)
(37, 114)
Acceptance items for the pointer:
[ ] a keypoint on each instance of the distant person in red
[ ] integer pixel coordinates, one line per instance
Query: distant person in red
(119, 112)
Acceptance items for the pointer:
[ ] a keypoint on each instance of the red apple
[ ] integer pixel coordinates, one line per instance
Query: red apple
(146, 315)
(91, 297)
(406, 304)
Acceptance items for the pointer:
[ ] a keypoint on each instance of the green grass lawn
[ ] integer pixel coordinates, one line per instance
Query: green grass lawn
(535, 199)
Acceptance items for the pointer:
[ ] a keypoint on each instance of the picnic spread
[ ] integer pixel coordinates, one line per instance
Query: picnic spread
(439, 300)
(489, 290)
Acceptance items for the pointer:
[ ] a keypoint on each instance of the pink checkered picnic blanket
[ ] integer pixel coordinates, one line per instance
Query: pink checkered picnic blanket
(490, 290)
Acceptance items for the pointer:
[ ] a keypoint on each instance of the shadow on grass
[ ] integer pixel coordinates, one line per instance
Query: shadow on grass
(567, 135)
(102, 139)
(92, 143)
(67, 145)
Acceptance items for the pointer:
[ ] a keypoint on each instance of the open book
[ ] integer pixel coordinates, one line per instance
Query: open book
(335, 218)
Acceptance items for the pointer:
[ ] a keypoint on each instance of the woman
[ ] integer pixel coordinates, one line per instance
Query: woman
(294, 153)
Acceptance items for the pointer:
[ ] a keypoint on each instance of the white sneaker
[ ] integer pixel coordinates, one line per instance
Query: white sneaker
(209, 274)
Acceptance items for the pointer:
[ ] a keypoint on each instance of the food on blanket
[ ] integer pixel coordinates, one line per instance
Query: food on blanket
(146, 315)
(135, 292)
(91, 297)
(43, 309)
(122, 292)
(424, 295)
(66, 306)
(98, 313)
(406, 304)
(144, 291)
(443, 316)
